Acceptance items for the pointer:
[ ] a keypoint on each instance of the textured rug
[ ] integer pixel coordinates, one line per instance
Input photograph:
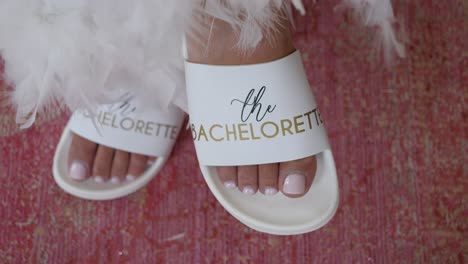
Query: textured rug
(399, 135)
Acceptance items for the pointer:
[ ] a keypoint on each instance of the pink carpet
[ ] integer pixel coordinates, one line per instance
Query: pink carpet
(399, 137)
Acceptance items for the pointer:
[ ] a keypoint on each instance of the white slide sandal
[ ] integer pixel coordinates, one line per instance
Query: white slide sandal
(121, 126)
(260, 114)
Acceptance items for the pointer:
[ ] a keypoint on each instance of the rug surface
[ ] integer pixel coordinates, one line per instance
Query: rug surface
(399, 136)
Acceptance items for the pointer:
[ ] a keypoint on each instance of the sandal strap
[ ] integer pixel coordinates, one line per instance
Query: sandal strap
(124, 126)
(253, 114)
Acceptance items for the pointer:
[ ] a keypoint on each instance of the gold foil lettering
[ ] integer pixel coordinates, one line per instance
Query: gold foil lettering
(211, 133)
(284, 128)
(262, 129)
(233, 132)
(308, 118)
(257, 131)
(242, 132)
(252, 132)
(194, 132)
(297, 124)
(202, 133)
(316, 117)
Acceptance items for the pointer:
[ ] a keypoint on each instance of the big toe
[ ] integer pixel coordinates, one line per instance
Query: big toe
(80, 158)
(297, 176)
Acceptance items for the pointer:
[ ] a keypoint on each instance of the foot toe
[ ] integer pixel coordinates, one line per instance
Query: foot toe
(268, 178)
(102, 164)
(228, 176)
(247, 177)
(80, 158)
(297, 176)
(137, 166)
(119, 166)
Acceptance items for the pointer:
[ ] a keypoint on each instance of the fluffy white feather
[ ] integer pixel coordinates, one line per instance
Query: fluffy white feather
(255, 19)
(82, 53)
(379, 13)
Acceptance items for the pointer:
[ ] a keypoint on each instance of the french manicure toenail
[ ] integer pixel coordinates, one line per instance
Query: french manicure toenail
(130, 177)
(78, 170)
(248, 190)
(230, 184)
(271, 190)
(98, 179)
(115, 179)
(294, 184)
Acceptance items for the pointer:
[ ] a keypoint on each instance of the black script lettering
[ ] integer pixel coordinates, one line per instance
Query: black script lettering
(249, 105)
(125, 107)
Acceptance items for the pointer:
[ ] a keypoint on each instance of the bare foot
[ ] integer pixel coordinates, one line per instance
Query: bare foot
(88, 159)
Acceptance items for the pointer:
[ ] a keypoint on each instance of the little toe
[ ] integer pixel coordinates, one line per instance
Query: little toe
(268, 178)
(137, 166)
(80, 158)
(102, 163)
(297, 176)
(228, 176)
(247, 178)
(151, 161)
(119, 166)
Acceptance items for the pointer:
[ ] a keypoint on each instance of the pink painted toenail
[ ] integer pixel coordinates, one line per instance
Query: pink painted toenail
(115, 179)
(230, 184)
(294, 184)
(248, 190)
(271, 191)
(98, 179)
(130, 177)
(78, 170)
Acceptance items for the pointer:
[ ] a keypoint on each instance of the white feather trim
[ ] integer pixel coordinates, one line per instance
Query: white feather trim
(83, 53)
(255, 19)
(379, 13)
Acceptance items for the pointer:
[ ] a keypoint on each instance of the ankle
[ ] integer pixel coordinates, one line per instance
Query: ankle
(221, 46)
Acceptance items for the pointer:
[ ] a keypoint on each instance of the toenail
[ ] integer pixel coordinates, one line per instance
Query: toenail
(270, 190)
(130, 177)
(248, 190)
(78, 170)
(98, 179)
(294, 184)
(115, 179)
(230, 184)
